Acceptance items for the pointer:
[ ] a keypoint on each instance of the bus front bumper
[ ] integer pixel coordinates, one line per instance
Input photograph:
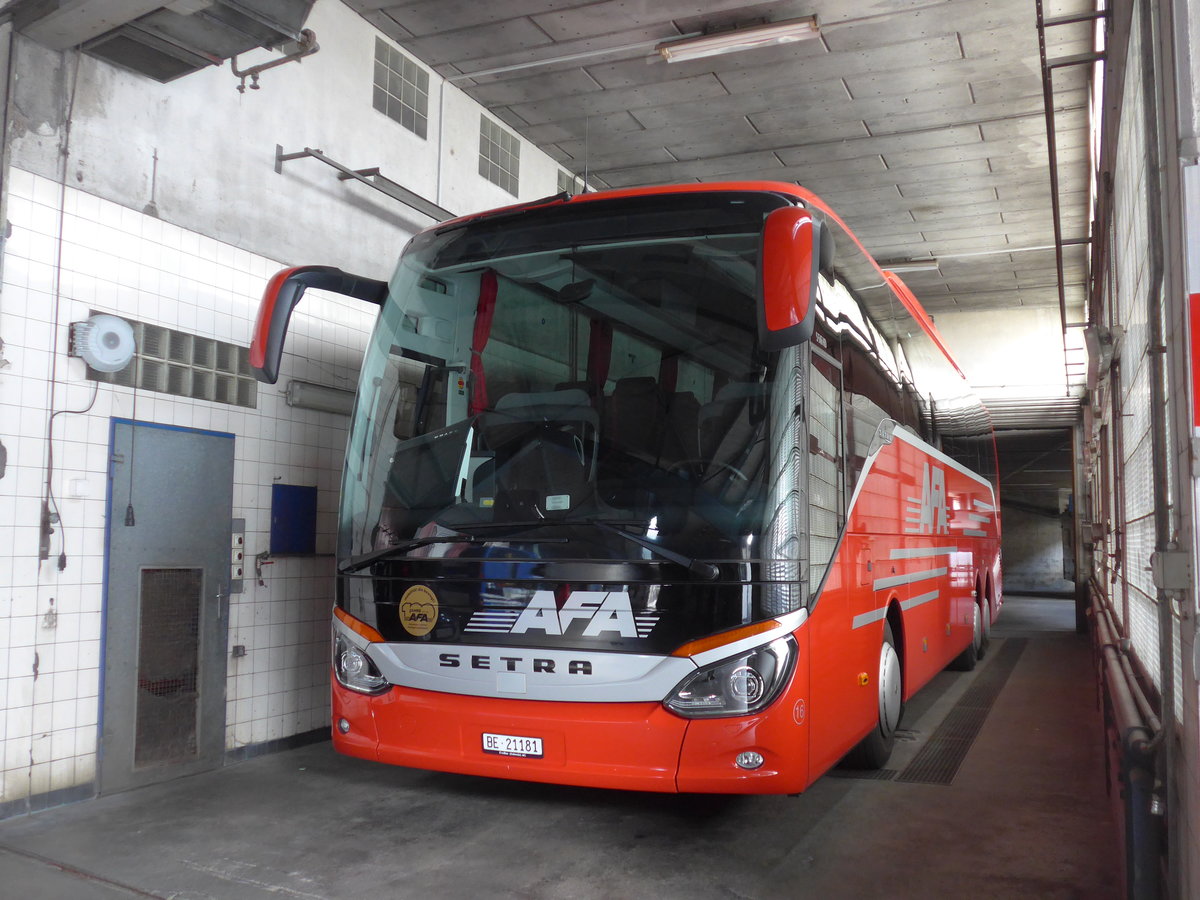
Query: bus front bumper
(626, 746)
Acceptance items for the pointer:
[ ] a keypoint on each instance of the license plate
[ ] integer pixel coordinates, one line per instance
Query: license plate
(512, 745)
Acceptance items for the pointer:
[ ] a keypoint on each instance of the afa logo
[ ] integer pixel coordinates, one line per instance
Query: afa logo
(418, 610)
(929, 513)
(584, 614)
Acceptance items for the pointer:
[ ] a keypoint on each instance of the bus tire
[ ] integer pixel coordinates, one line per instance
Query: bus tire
(873, 751)
(966, 660)
(986, 635)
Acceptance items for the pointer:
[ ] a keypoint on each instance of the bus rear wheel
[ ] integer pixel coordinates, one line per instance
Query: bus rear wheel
(873, 751)
(987, 627)
(966, 660)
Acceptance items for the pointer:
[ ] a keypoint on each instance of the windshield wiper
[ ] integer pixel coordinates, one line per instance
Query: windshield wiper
(704, 569)
(697, 566)
(358, 563)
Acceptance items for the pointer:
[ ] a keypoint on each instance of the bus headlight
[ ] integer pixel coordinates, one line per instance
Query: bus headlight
(353, 669)
(736, 686)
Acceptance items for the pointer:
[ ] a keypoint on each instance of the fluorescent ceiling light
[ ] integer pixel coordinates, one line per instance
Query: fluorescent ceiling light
(739, 39)
(306, 395)
(910, 265)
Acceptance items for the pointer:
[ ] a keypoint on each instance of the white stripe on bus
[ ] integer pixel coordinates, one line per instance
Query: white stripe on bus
(921, 553)
(910, 578)
(917, 601)
(867, 618)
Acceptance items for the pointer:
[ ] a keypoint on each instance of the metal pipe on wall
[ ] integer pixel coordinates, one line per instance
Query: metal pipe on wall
(1164, 537)
(1137, 748)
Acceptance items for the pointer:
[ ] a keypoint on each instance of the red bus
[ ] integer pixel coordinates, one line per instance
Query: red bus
(668, 489)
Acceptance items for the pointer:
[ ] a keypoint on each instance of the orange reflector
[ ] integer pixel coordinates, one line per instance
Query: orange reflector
(358, 627)
(725, 637)
(864, 679)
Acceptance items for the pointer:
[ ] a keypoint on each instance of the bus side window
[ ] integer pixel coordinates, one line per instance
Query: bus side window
(871, 396)
(863, 421)
(826, 473)
(975, 451)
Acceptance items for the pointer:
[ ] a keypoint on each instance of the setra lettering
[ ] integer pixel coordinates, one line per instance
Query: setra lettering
(483, 662)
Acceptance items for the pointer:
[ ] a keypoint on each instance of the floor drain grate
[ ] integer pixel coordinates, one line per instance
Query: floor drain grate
(939, 760)
(864, 774)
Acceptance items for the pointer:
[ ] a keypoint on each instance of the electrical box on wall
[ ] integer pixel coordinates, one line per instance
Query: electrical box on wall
(293, 520)
(237, 556)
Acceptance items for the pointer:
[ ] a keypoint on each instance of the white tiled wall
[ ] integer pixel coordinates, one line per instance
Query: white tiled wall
(131, 139)
(121, 261)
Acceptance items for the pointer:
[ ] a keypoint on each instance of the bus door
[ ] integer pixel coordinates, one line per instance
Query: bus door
(836, 659)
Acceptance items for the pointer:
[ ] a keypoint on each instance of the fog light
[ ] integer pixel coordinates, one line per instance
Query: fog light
(749, 759)
(343, 726)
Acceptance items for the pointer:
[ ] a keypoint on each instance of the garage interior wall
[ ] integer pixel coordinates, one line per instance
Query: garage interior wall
(1139, 445)
(161, 203)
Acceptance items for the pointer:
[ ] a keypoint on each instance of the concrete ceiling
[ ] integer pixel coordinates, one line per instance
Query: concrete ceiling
(921, 122)
(164, 39)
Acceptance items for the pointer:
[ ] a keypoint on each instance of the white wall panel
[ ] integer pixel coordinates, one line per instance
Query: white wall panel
(128, 263)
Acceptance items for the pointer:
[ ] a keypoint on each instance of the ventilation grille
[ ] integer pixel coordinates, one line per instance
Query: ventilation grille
(401, 88)
(568, 183)
(186, 365)
(168, 663)
(499, 156)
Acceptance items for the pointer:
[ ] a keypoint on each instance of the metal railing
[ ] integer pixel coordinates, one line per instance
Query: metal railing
(1132, 734)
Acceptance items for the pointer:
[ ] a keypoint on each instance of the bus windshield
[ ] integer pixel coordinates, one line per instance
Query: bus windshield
(578, 388)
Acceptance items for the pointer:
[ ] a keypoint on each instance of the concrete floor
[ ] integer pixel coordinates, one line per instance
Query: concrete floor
(1026, 816)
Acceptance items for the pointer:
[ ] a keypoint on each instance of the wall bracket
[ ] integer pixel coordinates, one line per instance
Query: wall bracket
(370, 177)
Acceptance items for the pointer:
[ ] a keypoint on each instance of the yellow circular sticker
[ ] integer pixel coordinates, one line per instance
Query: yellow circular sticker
(418, 610)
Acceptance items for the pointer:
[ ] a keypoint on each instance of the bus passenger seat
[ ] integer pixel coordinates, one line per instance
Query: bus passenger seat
(544, 447)
(634, 414)
(586, 386)
(681, 438)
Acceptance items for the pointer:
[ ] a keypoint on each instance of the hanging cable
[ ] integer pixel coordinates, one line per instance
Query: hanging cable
(64, 151)
(130, 521)
(51, 501)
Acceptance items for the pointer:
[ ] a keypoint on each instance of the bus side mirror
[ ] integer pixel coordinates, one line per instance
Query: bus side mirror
(788, 265)
(280, 297)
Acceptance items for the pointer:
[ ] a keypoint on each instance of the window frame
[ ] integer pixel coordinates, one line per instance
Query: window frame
(411, 107)
(499, 155)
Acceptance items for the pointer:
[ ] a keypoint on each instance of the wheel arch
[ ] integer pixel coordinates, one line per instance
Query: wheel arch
(895, 618)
